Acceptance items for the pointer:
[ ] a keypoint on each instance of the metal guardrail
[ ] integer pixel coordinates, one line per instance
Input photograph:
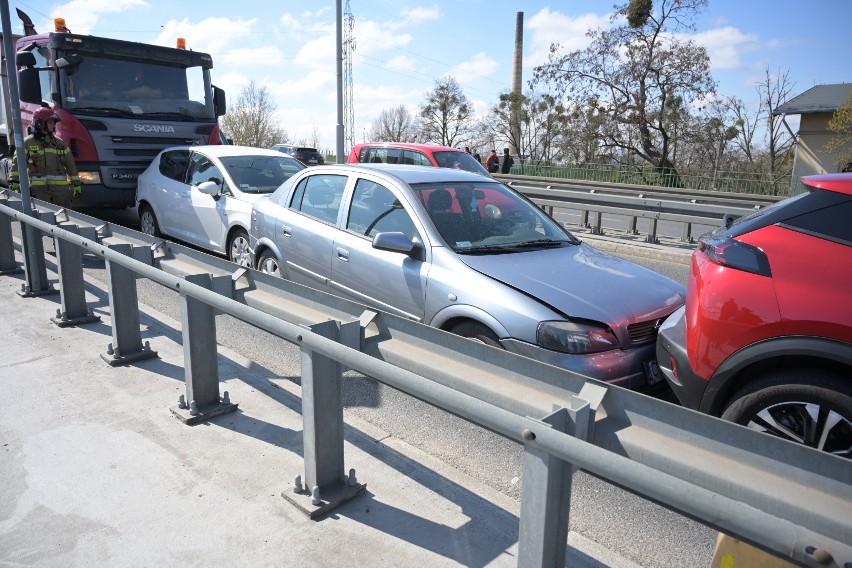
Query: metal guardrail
(688, 207)
(787, 499)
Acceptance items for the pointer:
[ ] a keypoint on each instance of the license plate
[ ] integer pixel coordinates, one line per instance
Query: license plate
(652, 372)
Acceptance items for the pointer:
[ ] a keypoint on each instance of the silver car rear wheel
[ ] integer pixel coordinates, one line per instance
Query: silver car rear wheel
(268, 264)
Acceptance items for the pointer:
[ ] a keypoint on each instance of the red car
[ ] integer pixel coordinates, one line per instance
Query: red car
(765, 336)
(416, 155)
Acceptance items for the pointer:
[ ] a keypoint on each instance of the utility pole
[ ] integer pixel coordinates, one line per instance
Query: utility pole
(348, 105)
(515, 122)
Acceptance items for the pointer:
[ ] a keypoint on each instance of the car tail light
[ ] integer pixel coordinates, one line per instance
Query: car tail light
(728, 252)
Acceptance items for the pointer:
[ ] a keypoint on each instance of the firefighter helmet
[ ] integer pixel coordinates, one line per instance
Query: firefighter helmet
(41, 116)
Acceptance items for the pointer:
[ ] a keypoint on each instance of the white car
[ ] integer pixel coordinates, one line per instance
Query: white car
(203, 195)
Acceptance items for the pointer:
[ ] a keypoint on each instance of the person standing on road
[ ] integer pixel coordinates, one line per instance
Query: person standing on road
(508, 162)
(50, 165)
(492, 162)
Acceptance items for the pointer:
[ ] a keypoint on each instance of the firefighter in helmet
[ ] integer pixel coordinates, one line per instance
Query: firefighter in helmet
(50, 165)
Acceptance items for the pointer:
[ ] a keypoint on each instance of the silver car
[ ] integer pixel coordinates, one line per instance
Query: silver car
(469, 255)
(203, 194)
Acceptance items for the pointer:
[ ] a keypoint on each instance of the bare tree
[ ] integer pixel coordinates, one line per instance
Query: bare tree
(746, 123)
(634, 71)
(251, 122)
(531, 123)
(446, 115)
(394, 125)
(773, 93)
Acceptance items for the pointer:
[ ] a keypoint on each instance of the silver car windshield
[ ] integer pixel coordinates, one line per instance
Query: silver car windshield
(488, 218)
(260, 174)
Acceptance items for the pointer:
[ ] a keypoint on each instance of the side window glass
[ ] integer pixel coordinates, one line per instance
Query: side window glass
(203, 169)
(321, 196)
(173, 164)
(375, 209)
(375, 155)
(42, 56)
(394, 156)
(829, 222)
(298, 195)
(415, 158)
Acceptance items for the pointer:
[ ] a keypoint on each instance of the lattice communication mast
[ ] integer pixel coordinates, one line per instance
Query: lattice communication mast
(348, 105)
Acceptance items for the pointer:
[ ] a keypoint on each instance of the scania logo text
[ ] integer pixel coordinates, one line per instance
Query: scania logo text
(154, 128)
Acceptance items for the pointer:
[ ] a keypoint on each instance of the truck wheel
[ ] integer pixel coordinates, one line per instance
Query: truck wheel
(148, 221)
(809, 407)
(477, 332)
(268, 264)
(238, 248)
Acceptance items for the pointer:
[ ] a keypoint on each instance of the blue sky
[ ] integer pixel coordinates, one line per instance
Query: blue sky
(403, 47)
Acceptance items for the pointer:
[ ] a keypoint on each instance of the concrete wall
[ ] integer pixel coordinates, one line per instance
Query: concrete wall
(811, 155)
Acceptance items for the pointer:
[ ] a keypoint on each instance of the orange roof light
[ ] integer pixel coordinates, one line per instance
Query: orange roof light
(181, 43)
(59, 25)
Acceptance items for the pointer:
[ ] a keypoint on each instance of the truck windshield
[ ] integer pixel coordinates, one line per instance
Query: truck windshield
(120, 87)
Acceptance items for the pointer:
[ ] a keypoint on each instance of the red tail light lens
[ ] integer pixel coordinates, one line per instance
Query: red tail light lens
(735, 254)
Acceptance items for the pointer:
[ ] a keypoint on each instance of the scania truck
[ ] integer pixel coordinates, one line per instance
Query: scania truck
(119, 104)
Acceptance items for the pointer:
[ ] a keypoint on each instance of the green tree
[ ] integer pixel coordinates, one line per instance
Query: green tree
(634, 71)
(841, 125)
(251, 121)
(446, 115)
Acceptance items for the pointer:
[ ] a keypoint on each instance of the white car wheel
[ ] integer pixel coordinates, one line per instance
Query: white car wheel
(238, 249)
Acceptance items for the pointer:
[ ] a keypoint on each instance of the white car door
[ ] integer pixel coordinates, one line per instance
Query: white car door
(205, 224)
(168, 192)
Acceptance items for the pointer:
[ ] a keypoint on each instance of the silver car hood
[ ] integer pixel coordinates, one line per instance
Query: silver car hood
(581, 281)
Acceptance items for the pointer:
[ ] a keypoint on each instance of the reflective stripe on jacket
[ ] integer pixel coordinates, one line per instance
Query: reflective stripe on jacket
(49, 162)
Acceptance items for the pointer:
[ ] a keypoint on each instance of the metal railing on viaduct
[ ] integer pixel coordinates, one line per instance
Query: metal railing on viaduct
(787, 499)
(687, 207)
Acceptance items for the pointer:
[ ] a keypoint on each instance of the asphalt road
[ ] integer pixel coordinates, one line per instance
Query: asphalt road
(626, 524)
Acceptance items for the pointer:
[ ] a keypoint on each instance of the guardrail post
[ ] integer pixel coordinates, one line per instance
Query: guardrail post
(631, 227)
(72, 291)
(652, 232)
(596, 228)
(201, 365)
(546, 492)
(8, 265)
(34, 266)
(326, 483)
(126, 346)
(687, 233)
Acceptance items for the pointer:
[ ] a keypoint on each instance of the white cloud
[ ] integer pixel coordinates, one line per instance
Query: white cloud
(82, 16)
(548, 27)
(419, 15)
(212, 35)
(372, 36)
(726, 46)
(401, 63)
(474, 69)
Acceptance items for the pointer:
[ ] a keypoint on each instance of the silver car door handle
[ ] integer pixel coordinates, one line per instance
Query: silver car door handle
(286, 231)
(343, 254)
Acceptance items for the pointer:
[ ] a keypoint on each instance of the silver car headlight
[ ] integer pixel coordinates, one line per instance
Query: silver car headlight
(575, 338)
